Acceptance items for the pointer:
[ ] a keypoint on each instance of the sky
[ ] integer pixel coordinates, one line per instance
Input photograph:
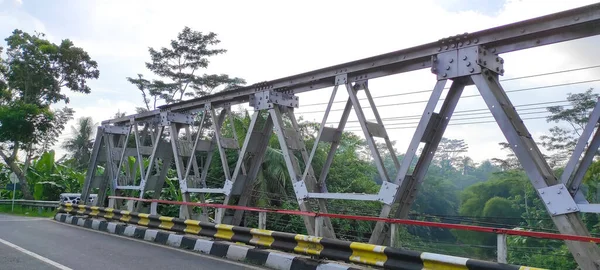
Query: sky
(271, 39)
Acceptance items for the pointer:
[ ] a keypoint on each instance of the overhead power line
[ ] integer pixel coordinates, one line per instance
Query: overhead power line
(503, 80)
(460, 124)
(467, 96)
(464, 112)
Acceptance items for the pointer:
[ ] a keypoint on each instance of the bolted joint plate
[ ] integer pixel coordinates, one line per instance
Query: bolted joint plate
(466, 61)
(558, 200)
(227, 187)
(267, 99)
(300, 190)
(387, 192)
(122, 130)
(341, 79)
(166, 118)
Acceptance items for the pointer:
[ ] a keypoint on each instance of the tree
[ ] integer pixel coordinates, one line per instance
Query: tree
(80, 143)
(32, 78)
(449, 153)
(179, 66)
(467, 165)
(562, 140)
(510, 162)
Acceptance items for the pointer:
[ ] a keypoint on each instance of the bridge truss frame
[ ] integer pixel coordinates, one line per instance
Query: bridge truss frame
(463, 59)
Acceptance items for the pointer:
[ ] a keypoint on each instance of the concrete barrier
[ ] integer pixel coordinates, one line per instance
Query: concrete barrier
(354, 252)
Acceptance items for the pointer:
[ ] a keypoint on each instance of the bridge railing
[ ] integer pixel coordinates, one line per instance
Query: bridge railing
(501, 233)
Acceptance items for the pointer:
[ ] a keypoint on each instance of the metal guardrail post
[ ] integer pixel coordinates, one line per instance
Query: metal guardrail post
(502, 249)
(218, 215)
(153, 208)
(393, 238)
(130, 204)
(319, 226)
(111, 203)
(262, 220)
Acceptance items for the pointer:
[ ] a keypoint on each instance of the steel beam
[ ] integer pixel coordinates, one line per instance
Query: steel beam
(553, 28)
(92, 167)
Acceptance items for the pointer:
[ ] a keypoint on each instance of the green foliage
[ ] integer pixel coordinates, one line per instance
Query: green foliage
(32, 77)
(561, 140)
(49, 178)
(81, 141)
(20, 122)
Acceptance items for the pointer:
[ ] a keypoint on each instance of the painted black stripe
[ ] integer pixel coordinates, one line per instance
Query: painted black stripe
(63, 217)
(188, 242)
(208, 229)
(74, 221)
(241, 234)
(87, 223)
(402, 259)
(120, 229)
(257, 256)
(336, 249)
(134, 219)
(178, 227)
(284, 241)
(154, 222)
(483, 265)
(219, 249)
(161, 237)
(103, 226)
(299, 263)
(139, 233)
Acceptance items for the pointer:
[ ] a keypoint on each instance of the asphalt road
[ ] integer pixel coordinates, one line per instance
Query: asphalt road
(34, 243)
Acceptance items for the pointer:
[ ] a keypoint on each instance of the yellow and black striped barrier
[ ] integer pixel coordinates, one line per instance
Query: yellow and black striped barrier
(387, 257)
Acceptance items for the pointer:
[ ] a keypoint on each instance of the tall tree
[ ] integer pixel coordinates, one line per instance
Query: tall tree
(179, 67)
(80, 143)
(31, 79)
(562, 139)
(449, 153)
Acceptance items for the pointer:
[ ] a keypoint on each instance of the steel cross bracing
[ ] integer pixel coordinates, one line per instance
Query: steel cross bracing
(117, 164)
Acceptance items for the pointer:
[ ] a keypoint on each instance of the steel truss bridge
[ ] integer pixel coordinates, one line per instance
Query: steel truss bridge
(184, 131)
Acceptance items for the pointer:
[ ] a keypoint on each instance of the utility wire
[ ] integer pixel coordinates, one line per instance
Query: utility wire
(503, 80)
(467, 96)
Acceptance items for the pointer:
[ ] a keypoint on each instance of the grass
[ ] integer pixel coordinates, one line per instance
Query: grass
(27, 211)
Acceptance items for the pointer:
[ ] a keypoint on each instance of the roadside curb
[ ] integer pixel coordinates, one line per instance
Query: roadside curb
(231, 251)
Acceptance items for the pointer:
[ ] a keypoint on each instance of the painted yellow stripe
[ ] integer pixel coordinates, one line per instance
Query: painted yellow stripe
(224, 231)
(308, 244)
(261, 237)
(144, 220)
(368, 254)
(192, 226)
(166, 222)
(95, 211)
(439, 261)
(125, 217)
(109, 213)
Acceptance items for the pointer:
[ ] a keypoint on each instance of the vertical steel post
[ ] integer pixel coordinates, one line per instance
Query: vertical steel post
(502, 251)
(90, 175)
(262, 220)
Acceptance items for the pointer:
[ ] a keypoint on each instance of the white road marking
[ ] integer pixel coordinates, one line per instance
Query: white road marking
(41, 258)
(24, 219)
